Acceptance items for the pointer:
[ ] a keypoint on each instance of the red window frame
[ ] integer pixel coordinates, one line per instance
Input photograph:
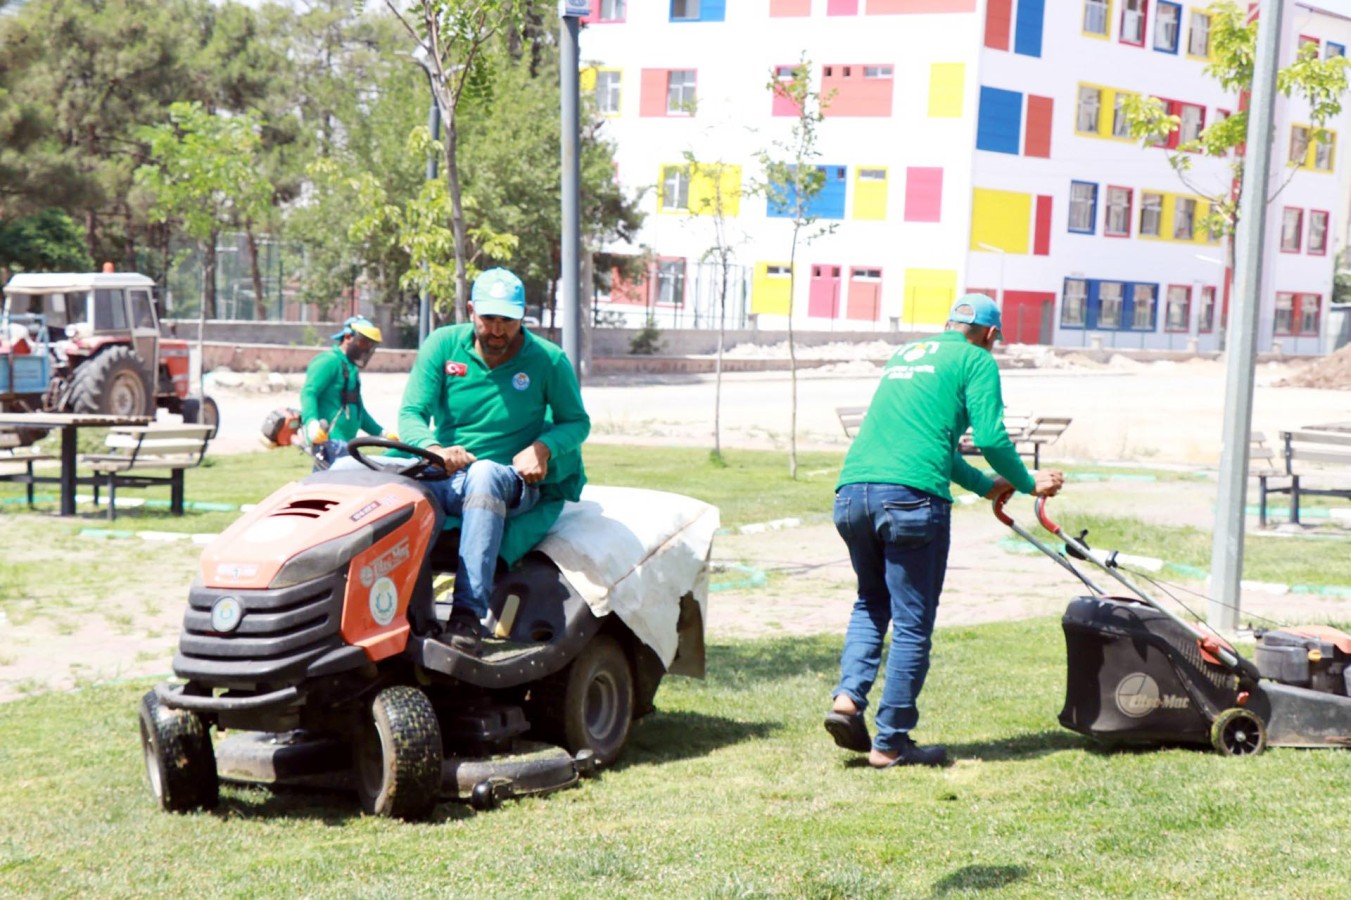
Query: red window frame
(1167, 304)
(1327, 223)
(1176, 136)
(1107, 211)
(1214, 308)
(1297, 304)
(1144, 25)
(1299, 229)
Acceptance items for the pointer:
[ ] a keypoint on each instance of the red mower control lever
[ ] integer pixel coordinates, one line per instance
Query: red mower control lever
(999, 507)
(1045, 519)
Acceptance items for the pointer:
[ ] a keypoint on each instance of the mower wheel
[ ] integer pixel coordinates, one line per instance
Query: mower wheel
(179, 759)
(589, 705)
(398, 755)
(1238, 732)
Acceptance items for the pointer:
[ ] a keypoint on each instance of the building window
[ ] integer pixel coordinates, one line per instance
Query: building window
(1322, 152)
(671, 281)
(1285, 313)
(1198, 40)
(675, 187)
(1299, 144)
(1083, 206)
(877, 71)
(1297, 315)
(1193, 120)
(1184, 219)
(1086, 118)
(607, 92)
(1151, 214)
(1121, 126)
(1331, 49)
(1167, 17)
(1142, 307)
(684, 9)
(1076, 300)
(1205, 317)
(1309, 306)
(1292, 229)
(1109, 304)
(680, 91)
(872, 174)
(1095, 17)
(1133, 22)
(1118, 221)
(612, 10)
(1179, 310)
(1318, 232)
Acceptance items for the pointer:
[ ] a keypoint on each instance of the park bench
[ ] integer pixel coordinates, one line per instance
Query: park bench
(1029, 433)
(1304, 453)
(13, 455)
(135, 450)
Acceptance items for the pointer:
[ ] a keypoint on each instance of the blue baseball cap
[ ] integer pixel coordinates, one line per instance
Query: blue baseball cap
(498, 292)
(975, 309)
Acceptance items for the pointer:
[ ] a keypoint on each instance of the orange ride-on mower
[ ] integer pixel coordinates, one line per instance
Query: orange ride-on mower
(310, 645)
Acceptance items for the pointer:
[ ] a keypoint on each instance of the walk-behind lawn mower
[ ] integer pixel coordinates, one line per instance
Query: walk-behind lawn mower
(309, 645)
(1138, 673)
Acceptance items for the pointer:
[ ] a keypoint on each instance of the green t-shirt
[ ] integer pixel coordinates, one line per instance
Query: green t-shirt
(326, 377)
(931, 391)
(452, 397)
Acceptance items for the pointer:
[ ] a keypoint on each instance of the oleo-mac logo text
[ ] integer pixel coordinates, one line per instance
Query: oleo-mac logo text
(1137, 695)
(385, 563)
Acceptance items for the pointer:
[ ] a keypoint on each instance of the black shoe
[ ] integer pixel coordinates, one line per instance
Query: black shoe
(912, 754)
(463, 634)
(849, 731)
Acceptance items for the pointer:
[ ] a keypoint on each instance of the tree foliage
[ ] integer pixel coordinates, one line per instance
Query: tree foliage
(47, 241)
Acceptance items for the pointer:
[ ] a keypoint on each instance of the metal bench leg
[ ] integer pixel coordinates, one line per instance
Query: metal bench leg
(30, 484)
(112, 496)
(1294, 499)
(176, 492)
(1262, 501)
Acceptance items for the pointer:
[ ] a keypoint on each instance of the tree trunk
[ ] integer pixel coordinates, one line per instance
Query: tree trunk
(792, 361)
(456, 219)
(259, 304)
(209, 277)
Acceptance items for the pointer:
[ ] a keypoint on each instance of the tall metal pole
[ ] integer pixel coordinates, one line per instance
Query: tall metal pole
(1226, 553)
(570, 139)
(424, 313)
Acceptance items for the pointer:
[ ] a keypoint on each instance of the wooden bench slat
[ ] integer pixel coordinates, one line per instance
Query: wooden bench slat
(136, 449)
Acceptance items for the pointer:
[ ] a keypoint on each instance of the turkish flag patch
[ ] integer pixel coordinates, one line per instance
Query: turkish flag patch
(457, 369)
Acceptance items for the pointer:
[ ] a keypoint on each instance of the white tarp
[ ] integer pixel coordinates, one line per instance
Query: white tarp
(634, 553)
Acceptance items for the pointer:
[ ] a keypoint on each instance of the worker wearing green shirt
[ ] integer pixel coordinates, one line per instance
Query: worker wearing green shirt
(503, 408)
(331, 411)
(893, 506)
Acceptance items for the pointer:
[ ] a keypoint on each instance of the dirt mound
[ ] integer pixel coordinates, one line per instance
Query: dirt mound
(1329, 373)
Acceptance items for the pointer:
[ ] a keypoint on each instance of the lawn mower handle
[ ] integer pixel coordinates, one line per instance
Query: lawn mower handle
(999, 508)
(1044, 518)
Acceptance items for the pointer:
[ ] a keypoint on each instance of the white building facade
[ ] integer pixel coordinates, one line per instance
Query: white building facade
(966, 145)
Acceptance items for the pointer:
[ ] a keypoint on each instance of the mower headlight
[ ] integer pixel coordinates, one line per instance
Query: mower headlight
(325, 559)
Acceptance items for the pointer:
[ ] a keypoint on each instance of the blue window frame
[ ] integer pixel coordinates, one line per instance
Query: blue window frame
(1167, 27)
(1000, 121)
(1102, 304)
(698, 10)
(1028, 26)
(1330, 50)
(827, 204)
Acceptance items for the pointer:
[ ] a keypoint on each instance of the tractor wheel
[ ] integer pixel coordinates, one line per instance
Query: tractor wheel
(179, 759)
(115, 382)
(201, 410)
(1238, 732)
(589, 705)
(398, 755)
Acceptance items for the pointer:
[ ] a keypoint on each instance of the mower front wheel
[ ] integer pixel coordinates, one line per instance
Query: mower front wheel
(179, 759)
(1238, 732)
(398, 755)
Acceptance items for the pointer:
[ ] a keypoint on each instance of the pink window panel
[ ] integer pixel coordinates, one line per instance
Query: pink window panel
(998, 21)
(624, 291)
(865, 295)
(823, 301)
(789, 8)
(784, 105)
(841, 7)
(923, 194)
(652, 95)
(855, 95)
(1041, 234)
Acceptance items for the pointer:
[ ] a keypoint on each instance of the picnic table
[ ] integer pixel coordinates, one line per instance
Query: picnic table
(69, 424)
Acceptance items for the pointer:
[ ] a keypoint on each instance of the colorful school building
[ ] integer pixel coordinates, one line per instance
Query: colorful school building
(966, 145)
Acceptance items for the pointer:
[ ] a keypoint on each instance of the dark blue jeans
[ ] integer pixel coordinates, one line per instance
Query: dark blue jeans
(898, 541)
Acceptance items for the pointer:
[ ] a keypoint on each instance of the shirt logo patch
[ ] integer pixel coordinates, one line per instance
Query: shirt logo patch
(457, 369)
(520, 381)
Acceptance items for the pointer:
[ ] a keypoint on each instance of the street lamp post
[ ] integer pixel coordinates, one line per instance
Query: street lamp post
(569, 11)
(424, 313)
(999, 300)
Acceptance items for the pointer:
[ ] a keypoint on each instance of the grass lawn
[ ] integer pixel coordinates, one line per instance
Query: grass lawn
(731, 789)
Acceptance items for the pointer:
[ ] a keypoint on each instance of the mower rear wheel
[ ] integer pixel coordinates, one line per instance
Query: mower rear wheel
(179, 759)
(589, 705)
(1238, 732)
(398, 755)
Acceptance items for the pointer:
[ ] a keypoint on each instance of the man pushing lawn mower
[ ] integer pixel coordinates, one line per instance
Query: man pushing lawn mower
(331, 410)
(893, 507)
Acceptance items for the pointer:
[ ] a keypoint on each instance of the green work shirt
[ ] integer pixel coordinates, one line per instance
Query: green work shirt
(326, 378)
(931, 391)
(453, 398)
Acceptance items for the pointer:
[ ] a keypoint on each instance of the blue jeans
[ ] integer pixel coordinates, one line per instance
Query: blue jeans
(484, 495)
(898, 541)
(327, 453)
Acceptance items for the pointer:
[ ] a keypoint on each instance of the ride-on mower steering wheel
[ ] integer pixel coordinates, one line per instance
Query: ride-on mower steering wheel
(429, 467)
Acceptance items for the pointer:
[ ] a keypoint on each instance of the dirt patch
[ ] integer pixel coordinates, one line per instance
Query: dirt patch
(1332, 372)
